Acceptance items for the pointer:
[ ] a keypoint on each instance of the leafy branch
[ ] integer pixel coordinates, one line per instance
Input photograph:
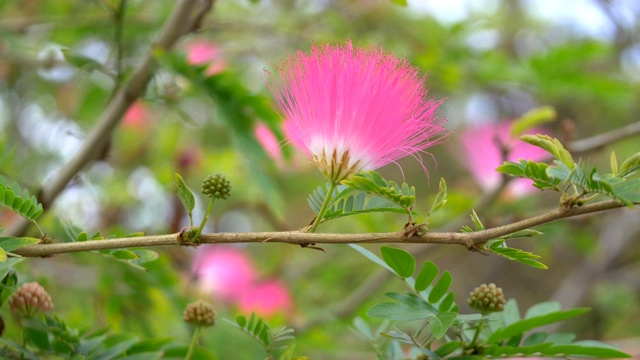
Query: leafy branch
(185, 17)
(497, 331)
(469, 240)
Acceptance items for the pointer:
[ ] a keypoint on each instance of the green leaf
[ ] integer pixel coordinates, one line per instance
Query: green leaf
(448, 348)
(402, 262)
(371, 256)
(522, 234)
(542, 308)
(400, 311)
(630, 165)
(180, 352)
(362, 327)
(533, 118)
(524, 325)
(440, 199)
(144, 256)
(9, 281)
(184, 193)
(613, 160)
(400, 2)
(373, 183)
(351, 202)
(440, 288)
(499, 247)
(630, 190)
(149, 345)
(586, 348)
(3, 255)
(441, 323)
(476, 221)
(14, 243)
(115, 350)
(122, 254)
(552, 145)
(448, 303)
(535, 339)
(20, 201)
(241, 321)
(426, 276)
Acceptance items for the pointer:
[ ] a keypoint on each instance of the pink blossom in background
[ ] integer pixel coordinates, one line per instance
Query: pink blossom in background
(483, 154)
(137, 117)
(202, 53)
(225, 272)
(270, 143)
(229, 275)
(266, 299)
(354, 109)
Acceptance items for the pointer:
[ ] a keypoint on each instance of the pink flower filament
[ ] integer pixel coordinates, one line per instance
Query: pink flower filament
(355, 109)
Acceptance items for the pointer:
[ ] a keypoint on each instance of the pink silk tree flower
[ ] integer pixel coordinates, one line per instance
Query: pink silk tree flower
(203, 53)
(483, 146)
(225, 272)
(266, 299)
(354, 109)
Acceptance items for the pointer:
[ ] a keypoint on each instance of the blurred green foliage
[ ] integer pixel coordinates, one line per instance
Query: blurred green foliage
(60, 62)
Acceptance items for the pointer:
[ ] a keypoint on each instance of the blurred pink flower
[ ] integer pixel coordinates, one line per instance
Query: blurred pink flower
(483, 153)
(137, 117)
(354, 109)
(270, 143)
(203, 53)
(225, 272)
(266, 299)
(229, 275)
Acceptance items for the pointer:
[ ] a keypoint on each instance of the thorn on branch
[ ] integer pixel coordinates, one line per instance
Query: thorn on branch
(311, 246)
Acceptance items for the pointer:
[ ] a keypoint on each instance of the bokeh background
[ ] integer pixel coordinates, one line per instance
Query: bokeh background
(492, 60)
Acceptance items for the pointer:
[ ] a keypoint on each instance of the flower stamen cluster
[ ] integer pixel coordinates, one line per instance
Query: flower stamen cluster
(30, 299)
(487, 298)
(200, 313)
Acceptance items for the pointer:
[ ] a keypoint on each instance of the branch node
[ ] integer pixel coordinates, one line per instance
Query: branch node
(188, 236)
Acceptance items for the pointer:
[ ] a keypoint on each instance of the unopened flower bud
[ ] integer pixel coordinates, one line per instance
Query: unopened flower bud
(216, 186)
(30, 299)
(200, 313)
(487, 298)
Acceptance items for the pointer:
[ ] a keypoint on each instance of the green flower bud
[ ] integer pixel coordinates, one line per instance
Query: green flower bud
(30, 299)
(487, 298)
(200, 313)
(216, 186)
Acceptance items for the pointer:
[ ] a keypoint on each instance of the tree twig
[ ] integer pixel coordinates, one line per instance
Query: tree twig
(598, 141)
(469, 240)
(183, 19)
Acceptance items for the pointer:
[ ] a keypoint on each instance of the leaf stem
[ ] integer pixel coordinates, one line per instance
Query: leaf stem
(42, 234)
(206, 217)
(194, 341)
(475, 336)
(323, 209)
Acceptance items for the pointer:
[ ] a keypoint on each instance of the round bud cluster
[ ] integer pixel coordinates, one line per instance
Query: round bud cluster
(30, 299)
(216, 186)
(200, 313)
(486, 298)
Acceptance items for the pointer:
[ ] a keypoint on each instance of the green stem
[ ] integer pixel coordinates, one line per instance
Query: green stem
(475, 336)
(194, 341)
(38, 227)
(206, 217)
(325, 204)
